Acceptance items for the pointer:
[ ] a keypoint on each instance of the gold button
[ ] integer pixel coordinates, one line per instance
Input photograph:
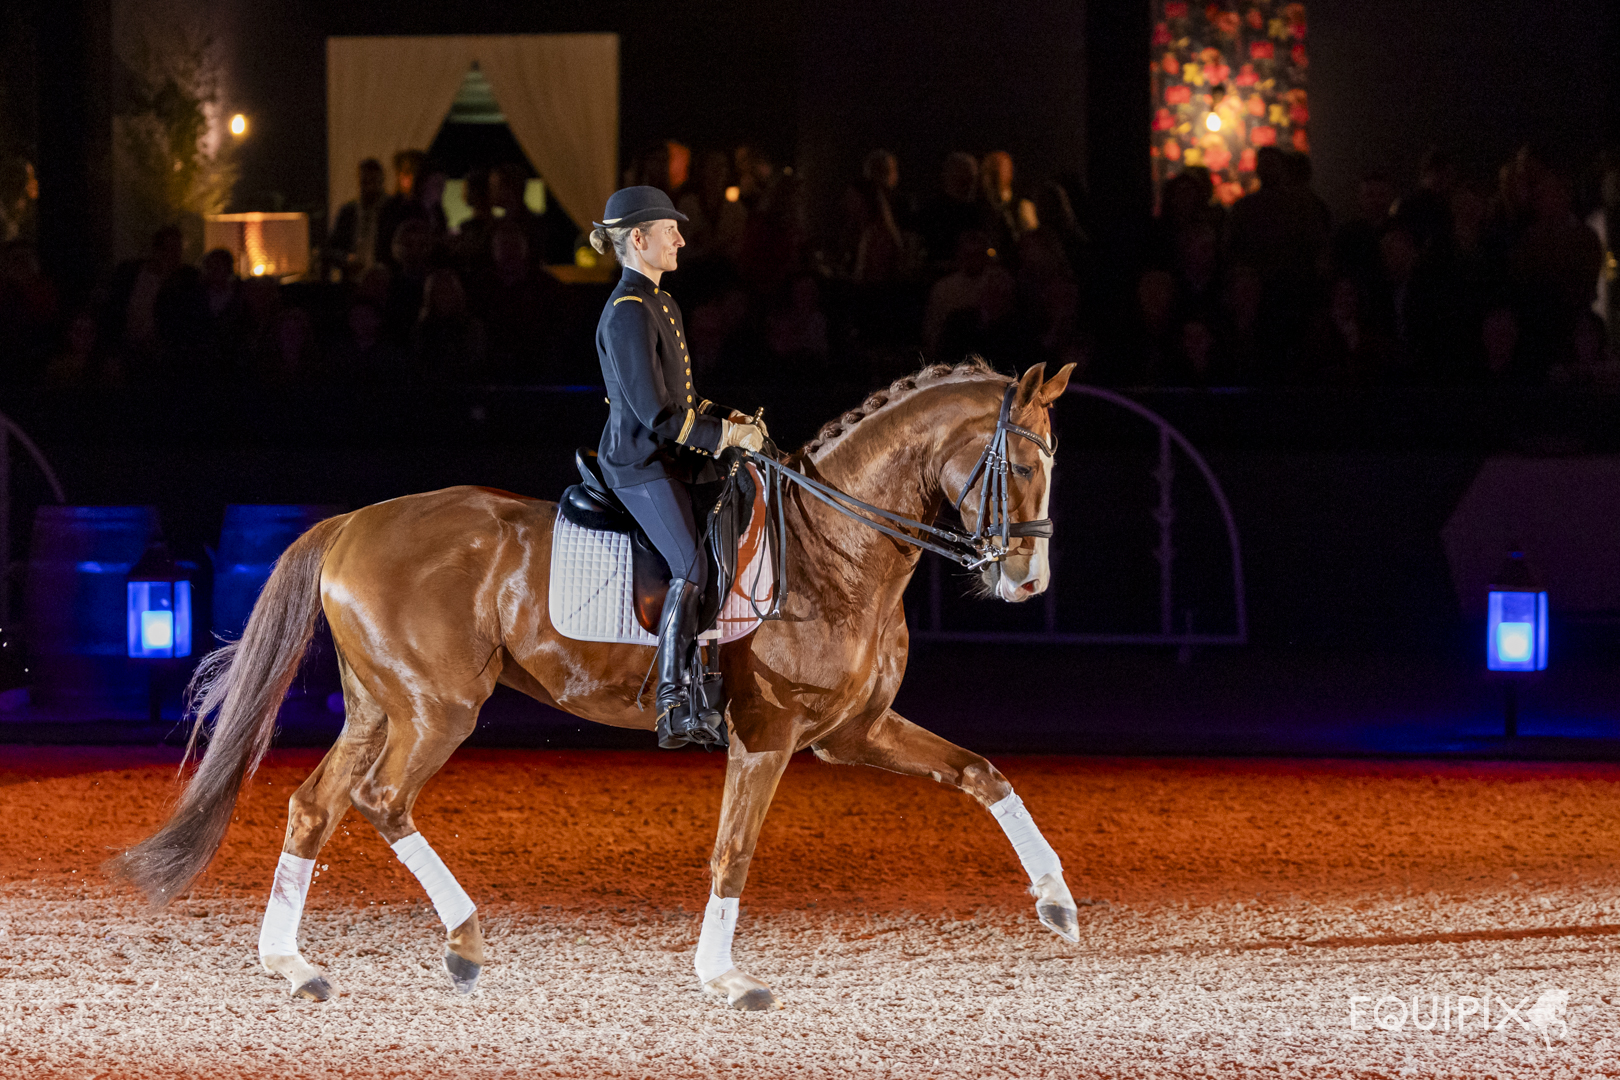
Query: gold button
(688, 397)
(689, 386)
(666, 308)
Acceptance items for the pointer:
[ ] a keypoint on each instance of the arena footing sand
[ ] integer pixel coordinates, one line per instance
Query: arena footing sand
(1244, 919)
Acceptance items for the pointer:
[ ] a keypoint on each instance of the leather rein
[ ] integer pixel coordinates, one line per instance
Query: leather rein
(987, 543)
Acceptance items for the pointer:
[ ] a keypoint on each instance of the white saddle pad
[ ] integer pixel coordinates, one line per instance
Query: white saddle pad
(591, 587)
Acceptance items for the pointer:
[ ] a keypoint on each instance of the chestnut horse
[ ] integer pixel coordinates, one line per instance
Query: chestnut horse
(433, 599)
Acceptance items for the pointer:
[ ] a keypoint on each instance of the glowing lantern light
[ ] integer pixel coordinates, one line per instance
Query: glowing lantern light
(733, 193)
(239, 125)
(1213, 121)
(1516, 619)
(158, 607)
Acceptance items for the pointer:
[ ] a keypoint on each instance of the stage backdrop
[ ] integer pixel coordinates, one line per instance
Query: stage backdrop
(1240, 62)
(560, 94)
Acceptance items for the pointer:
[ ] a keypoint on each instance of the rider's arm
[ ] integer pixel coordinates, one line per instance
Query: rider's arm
(633, 351)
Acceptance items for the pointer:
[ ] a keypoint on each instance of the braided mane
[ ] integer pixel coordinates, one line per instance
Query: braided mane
(897, 391)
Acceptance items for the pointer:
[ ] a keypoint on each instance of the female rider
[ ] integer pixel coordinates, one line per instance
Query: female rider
(661, 438)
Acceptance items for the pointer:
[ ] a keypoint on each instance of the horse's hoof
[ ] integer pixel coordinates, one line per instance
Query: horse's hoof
(316, 989)
(1062, 921)
(463, 972)
(755, 1001)
(742, 992)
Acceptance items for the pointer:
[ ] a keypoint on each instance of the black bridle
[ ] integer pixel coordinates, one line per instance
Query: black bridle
(988, 543)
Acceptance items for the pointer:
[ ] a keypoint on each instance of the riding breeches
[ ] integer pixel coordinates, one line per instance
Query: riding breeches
(663, 509)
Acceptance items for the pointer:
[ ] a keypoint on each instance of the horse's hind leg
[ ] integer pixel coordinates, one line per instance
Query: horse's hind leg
(411, 754)
(894, 743)
(313, 814)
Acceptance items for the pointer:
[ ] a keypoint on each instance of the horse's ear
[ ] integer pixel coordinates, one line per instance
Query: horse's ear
(1054, 387)
(1029, 385)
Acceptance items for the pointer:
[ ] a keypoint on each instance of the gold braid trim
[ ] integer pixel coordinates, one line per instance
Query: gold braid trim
(686, 428)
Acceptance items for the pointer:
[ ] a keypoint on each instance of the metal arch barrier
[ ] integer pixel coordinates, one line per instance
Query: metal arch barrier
(1164, 515)
(8, 431)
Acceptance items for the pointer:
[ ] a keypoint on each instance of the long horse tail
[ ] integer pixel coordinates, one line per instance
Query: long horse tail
(241, 686)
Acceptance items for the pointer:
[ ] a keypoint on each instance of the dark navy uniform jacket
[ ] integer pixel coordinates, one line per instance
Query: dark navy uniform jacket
(657, 425)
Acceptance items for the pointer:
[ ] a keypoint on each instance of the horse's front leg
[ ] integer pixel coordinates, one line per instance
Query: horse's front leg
(751, 779)
(894, 743)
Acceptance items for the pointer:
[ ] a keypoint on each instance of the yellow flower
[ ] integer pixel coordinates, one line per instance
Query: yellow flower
(1192, 74)
(1279, 29)
(1278, 116)
(1192, 156)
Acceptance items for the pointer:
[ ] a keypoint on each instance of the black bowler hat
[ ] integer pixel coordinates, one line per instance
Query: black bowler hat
(635, 205)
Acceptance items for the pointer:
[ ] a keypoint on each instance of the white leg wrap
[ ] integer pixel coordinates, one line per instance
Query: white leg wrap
(714, 943)
(279, 934)
(1033, 851)
(449, 899)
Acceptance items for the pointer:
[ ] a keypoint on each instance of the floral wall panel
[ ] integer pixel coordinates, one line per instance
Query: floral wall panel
(1227, 79)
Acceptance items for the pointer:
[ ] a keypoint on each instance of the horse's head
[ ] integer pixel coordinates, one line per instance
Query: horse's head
(1027, 571)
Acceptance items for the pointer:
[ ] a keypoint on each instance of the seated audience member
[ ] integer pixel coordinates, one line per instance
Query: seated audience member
(974, 286)
(874, 249)
(506, 190)
(413, 252)
(472, 235)
(1355, 243)
(955, 209)
(79, 363)
(796, 331)
(1553, 271)
(520, 308)
(403, 205)
(28, 311)
(448, 344)
(715, 224)
(356, 240)
(429, 194)
(222, 299)
(364, 356)
(1008, 215)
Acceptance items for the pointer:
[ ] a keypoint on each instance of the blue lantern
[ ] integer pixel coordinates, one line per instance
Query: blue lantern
(1516, 619)
(159, 607)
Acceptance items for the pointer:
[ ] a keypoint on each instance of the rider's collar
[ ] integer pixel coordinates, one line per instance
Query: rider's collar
(635, 279)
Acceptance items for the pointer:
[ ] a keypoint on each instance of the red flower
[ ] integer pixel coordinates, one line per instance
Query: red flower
(1246, 76)
(1256, 20)
(1229, 193)
(1216, 155)
(1256, 105)
(1263, 136)
(1246, 160)
(1161, 35)
(1299, 30)
(1216, 73)
(1170, 65)
(1298, 56)
(1261, 50)
(1228, 23)
(1299, 115)
(1175, 9)
(1172, 150)
(1163, 121)
(1177, 95)
(1212, 12)
(1301, 143)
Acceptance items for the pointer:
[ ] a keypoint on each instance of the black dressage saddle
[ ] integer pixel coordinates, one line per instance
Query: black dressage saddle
(724, 509)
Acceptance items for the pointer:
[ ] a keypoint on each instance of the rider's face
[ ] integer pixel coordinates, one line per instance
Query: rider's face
(658, 241)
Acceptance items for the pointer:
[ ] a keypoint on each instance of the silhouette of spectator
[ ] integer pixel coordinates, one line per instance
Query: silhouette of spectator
(413, 252)
(472, 236)
(80, 363)
(715, 225)
(796, 331)
(879, 248)
(448, 344)
(28, 311)
(955, 209)
(1008, 215)
(403, 205)
(1553, 268)
(1048, 286)
(1280, 233)
(520, 309)
(507, 185)
(222, 299)
(19, 192)
(356, 240)
(364, 356)
(978, 286)
(429, 194)
(1355, 243)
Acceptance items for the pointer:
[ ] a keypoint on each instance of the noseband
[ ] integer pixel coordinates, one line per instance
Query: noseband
(987, 544)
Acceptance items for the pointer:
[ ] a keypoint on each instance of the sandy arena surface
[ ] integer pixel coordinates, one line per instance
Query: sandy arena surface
(1235, 908)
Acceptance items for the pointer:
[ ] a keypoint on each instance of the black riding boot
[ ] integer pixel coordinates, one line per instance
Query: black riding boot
(677, 633)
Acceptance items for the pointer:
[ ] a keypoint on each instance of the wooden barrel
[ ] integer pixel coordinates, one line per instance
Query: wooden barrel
(74, 597)
(250, 541)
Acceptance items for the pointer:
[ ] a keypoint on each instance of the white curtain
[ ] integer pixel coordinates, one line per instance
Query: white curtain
(560, 94)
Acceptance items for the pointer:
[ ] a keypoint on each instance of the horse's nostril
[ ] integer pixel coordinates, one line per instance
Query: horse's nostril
(1028, 586)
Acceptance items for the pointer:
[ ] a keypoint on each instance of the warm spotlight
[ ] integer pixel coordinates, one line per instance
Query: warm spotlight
(1213, 121)
(733, 193)
(239, 125)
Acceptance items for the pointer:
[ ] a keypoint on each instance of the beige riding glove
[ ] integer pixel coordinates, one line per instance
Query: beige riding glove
(748, 436)
(758, 421)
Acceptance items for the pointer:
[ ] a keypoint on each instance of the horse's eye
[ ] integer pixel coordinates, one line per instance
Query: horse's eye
(1023, 472)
